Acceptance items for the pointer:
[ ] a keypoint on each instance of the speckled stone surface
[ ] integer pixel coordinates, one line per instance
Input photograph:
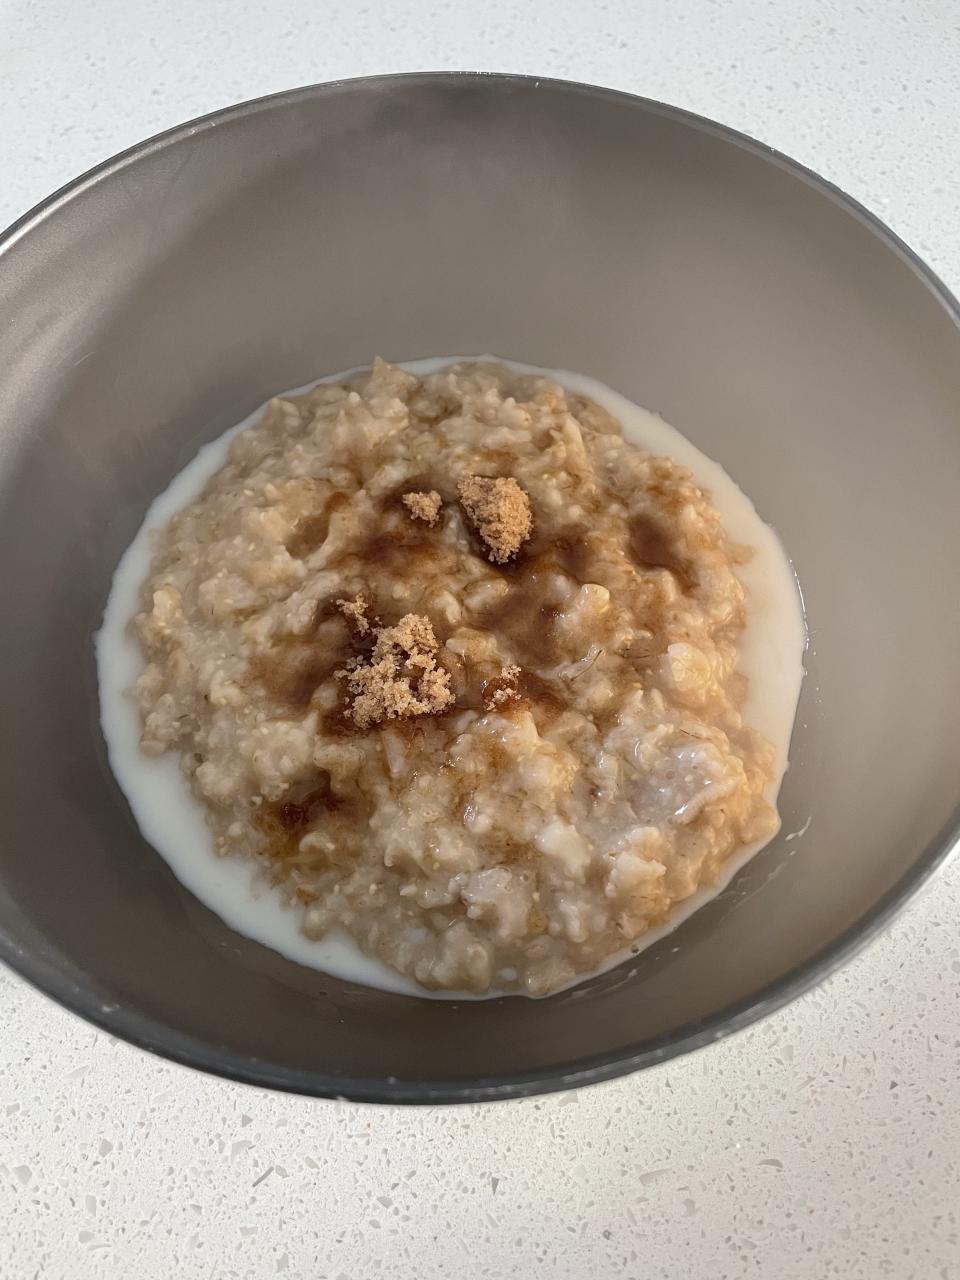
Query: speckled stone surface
(824, 1142)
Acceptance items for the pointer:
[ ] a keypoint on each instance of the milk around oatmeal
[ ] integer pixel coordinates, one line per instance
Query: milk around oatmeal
(446, 684)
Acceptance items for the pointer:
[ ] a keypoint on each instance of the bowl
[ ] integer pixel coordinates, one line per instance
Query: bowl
(792, 337)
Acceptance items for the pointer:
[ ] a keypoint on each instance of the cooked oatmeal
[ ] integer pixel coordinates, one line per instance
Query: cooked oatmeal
(496, 737)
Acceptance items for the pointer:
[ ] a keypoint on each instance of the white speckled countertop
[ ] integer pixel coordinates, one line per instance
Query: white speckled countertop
(823, 1142)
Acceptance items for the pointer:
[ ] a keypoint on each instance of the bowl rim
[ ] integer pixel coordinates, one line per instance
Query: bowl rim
(154, 1036)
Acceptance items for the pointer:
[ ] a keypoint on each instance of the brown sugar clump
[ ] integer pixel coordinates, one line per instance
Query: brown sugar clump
(499, 510)
(401, 678)
(502, 688)
(356, 612)
(424, 506)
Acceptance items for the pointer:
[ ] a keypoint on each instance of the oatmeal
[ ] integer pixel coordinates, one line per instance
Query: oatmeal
(497, 736)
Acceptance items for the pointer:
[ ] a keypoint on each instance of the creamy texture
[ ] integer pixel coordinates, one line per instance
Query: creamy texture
(769, 655)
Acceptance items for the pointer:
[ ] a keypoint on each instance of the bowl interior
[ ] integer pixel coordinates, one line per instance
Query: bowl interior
(160, 301)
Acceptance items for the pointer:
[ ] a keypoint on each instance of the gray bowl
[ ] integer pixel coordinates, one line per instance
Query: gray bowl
(163, 296)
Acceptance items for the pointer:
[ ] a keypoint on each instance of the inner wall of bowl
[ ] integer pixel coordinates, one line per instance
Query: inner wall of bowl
(559, 227)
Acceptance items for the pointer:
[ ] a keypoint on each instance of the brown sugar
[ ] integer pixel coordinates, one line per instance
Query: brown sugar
(355, 611)
(499, 510)
(401, 678)
(424, 506)
(502, 688)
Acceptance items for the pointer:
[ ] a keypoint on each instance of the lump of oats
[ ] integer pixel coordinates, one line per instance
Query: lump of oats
(401, 678)
(424, 506)
(499, 510)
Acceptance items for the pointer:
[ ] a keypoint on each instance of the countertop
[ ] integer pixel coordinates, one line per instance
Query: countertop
(824, 1141)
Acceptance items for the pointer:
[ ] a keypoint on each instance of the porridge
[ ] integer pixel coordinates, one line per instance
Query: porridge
(458, 669)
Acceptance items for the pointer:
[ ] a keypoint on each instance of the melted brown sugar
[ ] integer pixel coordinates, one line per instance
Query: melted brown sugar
(283, 823)
(312, 528)
(527, 614)
(651, 547)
